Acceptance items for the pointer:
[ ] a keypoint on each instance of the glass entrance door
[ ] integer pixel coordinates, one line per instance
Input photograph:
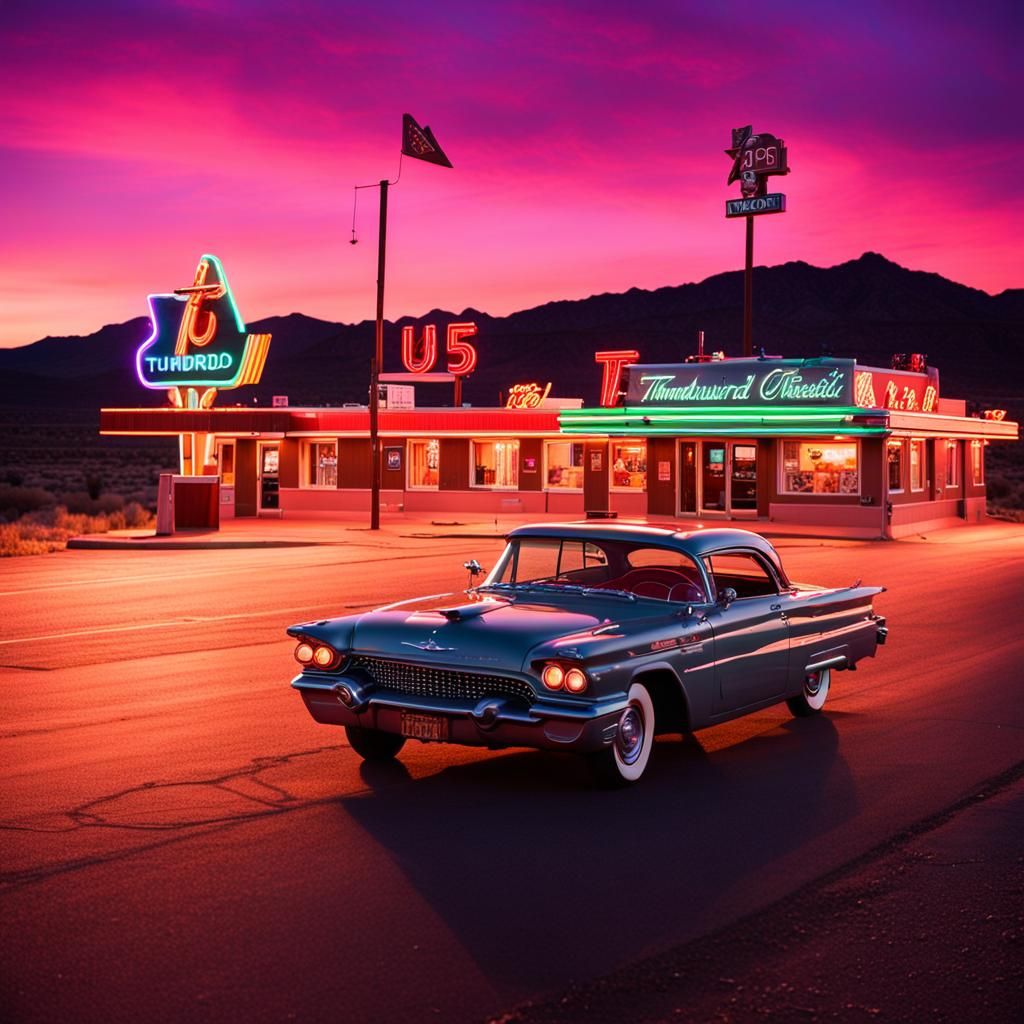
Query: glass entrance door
(687, 478)
(269, 470)
(713, 478)
(718, 478)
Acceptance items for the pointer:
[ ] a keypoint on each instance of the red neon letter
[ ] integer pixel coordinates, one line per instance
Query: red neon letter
(466, 353)
(613, 364)
(428, 349)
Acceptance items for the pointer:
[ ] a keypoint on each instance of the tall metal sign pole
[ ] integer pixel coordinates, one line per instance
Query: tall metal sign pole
(420, 144)
(378, 358)
(754, 159)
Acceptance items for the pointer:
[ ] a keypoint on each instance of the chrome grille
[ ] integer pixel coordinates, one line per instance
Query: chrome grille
(424, 681)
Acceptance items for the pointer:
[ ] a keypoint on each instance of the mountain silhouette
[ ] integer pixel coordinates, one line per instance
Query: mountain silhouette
(867, 308)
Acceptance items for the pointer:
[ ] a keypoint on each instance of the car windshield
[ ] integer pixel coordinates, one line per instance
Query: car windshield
(612, 567)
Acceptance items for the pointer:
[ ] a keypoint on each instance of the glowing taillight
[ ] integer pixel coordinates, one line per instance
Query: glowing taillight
(575, 680)
(323, 656)
(553, 676)
(304, 654)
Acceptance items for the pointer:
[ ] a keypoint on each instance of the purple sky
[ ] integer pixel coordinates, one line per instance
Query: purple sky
(587, 141)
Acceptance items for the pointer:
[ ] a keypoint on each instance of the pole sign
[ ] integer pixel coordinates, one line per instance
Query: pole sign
(199, 339)
(743, 382)
(755, 158)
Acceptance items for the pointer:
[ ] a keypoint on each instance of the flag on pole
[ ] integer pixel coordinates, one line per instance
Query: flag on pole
(420, 143)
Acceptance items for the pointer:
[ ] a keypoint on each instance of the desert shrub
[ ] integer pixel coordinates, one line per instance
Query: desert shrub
(997, 487)
(136, 516)
(93, 485)
(108, 503)
(19, 500)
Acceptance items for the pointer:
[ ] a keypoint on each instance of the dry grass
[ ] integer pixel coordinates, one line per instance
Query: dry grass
(39, 533)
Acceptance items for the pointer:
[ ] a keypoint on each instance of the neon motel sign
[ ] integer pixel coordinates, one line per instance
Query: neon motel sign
(199, 339)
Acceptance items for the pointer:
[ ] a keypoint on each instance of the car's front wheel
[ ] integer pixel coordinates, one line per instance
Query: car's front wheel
(372, 745)
(625, 760)
(814, 695)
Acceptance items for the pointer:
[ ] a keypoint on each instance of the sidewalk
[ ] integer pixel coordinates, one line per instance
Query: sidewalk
(343, 528)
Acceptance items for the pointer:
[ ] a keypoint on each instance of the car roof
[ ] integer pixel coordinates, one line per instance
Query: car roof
(695, 542)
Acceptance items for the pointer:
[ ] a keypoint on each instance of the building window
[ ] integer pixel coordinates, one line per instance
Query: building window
(226, 461)
(629, 465)
(978, 463)
(495, 464)
(820, 467)
(563, 465)
(321, 464)
(424, 464)
(917, 465)
(894, 465)
(952, 463)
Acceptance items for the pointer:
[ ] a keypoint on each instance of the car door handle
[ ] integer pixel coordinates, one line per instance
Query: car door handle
(776, 607)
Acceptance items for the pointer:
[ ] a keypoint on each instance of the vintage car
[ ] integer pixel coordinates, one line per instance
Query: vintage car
(588, 637)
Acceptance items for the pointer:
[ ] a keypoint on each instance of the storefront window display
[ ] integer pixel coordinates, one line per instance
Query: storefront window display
(820, 467)
(977, 463)
(321, 464)
(917, 465)
(952, 463)
(894, 465)
(629, 465)
(563, 465)
(495, 464)
(424, 463)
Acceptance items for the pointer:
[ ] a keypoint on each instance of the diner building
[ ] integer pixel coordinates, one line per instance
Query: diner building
(858, 451)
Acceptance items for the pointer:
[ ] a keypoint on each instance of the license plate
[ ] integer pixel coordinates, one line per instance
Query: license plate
(424, 727)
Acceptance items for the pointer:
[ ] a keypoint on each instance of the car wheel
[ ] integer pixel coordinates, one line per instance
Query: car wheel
(814, 695)
(625, 760)
(372, 745)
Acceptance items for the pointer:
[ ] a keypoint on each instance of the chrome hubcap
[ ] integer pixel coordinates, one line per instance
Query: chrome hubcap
(631, 735)
(812, 684)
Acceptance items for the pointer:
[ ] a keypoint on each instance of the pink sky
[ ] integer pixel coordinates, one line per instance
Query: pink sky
(587, 141)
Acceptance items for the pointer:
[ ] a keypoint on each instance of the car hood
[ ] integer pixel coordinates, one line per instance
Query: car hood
(481, 631)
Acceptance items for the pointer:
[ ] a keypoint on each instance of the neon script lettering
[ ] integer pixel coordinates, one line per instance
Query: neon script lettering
(659, 390)
(611, 379)
(788, 385)
(526, 396)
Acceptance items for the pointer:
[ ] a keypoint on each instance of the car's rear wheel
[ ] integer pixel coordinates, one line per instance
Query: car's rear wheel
(814, 694)
(372, 745)
(626, 759)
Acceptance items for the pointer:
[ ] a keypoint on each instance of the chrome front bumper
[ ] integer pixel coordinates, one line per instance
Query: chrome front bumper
(489, 722)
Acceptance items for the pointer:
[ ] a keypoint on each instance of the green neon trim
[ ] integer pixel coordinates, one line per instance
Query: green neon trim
(707, 419)
(685, 410)
(844, 429)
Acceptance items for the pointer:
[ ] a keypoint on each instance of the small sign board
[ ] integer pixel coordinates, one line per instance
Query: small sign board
(773, 202)
(279, 401)
(393, 458)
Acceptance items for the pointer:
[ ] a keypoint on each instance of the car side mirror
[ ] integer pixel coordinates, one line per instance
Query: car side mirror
(474, 568)
(726, 596)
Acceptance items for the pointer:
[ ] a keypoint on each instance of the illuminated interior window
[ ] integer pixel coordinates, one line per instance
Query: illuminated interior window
(917, 465)
(424, 463)
(820, 467)
(226, 461)
(495, 464)
(894, 465)
(629, 465)
(321, 464)
(563, 465)
(978, 463)
(952, 463)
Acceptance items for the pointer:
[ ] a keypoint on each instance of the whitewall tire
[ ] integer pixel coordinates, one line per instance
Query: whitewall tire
(814, 695)
(625, 761)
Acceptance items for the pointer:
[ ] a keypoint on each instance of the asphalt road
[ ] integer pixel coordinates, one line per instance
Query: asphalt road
(179, 841)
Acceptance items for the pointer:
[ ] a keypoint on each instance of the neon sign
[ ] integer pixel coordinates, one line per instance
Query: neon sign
(421, 356)
(199, 339)
(613, 363)
(527, 396)
(743, 382)
(899, 390)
